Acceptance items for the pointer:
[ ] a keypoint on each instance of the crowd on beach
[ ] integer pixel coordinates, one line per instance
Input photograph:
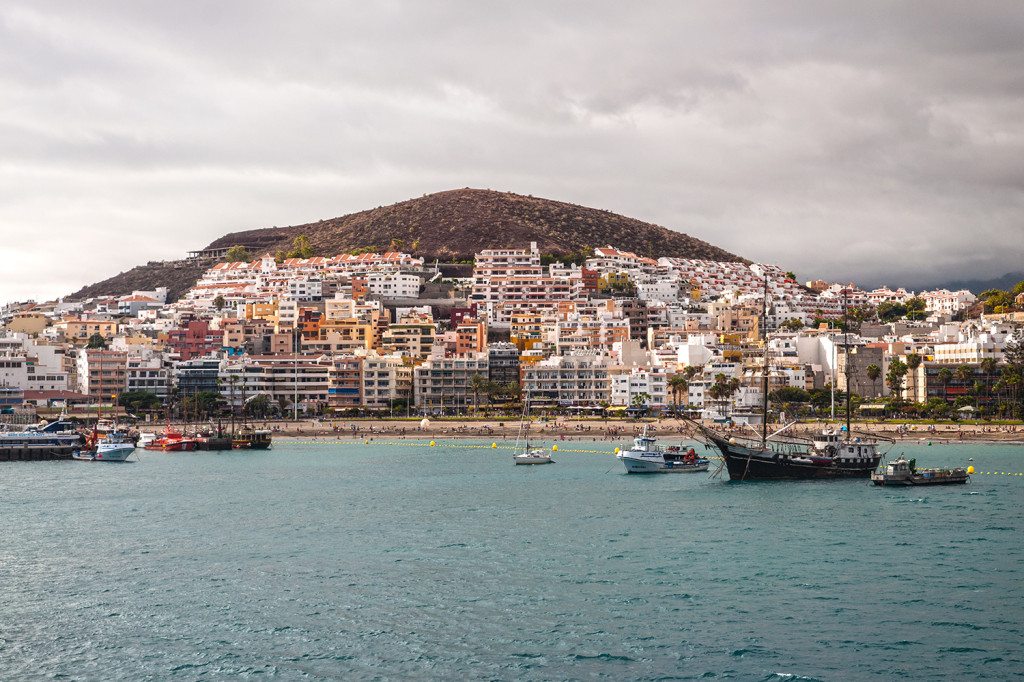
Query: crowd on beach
(565, 429)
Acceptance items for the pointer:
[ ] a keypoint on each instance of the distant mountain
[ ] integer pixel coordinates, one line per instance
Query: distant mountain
(977, 286)
(456, 224)
(449, 226)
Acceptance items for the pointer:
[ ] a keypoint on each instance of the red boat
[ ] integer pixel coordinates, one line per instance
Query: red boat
(173, 441)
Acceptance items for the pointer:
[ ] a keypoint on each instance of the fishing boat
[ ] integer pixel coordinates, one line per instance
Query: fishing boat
(901, 472)
(528, 455)
(830, 454)
(116, 446)
(646, 457)
(56, 440)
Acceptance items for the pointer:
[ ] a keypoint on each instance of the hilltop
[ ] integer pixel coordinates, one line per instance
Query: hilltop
(456, 224)
(449, 226)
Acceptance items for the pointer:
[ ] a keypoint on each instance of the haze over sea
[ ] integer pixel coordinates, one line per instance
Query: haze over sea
(352, 561)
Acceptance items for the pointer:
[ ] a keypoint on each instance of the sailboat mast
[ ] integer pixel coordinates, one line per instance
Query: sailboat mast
(764, 370)
(846, 351)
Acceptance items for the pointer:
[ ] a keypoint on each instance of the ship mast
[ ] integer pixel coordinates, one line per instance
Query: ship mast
(764, 370)
(846, 352)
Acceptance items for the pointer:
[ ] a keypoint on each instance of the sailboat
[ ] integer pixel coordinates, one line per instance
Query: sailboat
(831, 454)
(528, 455)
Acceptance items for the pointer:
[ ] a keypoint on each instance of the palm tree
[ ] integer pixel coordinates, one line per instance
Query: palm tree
(945, 376)
(988, 367)
(678, 384)
(874, 372)
(477, 383)
(913, 362)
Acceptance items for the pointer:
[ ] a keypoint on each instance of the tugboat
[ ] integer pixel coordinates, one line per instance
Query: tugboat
(829, 455)
(647, 458)
(901, 472)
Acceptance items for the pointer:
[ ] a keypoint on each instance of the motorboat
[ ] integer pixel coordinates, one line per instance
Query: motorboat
(646, 457)
(116, 446)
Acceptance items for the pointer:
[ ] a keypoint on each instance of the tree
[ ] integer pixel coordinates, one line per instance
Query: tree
(890, 311)
(988, 368)
(301, 248)
(260, 406)
(139, 401)
(238, 254)
(945, 376)
(477, 383)
(874, 372)
(793, 324)
(202, 404)
(678, 384)
(219, 303)
(789, 394)
(917, 309)
(913, 362)
(641, 400)
(96, 341)
(894, 378)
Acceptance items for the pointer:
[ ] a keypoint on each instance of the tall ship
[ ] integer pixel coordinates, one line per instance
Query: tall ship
(56, 440)
(830, 454)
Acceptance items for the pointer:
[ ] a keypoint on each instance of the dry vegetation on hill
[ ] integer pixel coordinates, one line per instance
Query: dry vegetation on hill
(454, 225)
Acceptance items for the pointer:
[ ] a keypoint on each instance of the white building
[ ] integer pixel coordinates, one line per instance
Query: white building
(646, 384)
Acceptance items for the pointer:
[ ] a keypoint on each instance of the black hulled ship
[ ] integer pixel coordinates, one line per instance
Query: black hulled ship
(832, 454)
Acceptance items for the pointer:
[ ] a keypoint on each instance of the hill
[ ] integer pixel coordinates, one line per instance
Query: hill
(449, 226)
(177, 275)
(977, 286)
(456, 224)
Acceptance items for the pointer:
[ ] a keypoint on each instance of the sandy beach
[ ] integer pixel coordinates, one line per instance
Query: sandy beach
(613, 431)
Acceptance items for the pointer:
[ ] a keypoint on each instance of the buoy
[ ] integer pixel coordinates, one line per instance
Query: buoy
(554, 448)
(366, 442)
(432, 443)
(970, 469)
(929, 443)
(617, 451)
(494, 445)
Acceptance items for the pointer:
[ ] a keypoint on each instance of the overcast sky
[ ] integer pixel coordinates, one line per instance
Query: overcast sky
(882, 142)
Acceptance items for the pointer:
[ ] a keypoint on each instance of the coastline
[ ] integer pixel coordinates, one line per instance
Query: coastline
(612, 431)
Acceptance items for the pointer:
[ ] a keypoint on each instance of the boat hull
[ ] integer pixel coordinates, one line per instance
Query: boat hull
(918, 481)
(636, 465)
(750, 464)
(521, 461)
(119, 453)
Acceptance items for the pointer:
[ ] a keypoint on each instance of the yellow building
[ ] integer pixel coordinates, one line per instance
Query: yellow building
(79, 331)
(29, 322)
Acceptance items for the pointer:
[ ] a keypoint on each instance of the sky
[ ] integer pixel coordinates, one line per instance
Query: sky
(881, 142)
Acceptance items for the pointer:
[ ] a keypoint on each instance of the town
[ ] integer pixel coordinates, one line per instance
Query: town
(297, 335)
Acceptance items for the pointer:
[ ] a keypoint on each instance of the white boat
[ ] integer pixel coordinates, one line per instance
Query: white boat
(645, 457)
(528, 455)
(145, 438)
(114, 447)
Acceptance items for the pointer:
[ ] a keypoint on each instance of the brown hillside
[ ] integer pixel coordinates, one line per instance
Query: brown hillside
(454, 225)
(177, 275)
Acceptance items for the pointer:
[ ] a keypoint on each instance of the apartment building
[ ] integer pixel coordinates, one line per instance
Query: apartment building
(443, 383)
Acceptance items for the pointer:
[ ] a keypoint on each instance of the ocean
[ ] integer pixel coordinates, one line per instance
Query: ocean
(341, 560)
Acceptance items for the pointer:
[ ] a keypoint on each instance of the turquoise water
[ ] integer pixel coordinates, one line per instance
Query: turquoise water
(352, 561)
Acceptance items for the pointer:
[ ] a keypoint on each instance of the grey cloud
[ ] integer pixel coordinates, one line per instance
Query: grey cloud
(879, 142)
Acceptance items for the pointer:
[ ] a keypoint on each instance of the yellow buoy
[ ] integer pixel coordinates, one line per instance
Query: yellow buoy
(970, 469)
(554, 448)
(494, 445)
(617, 451)
(432, 443)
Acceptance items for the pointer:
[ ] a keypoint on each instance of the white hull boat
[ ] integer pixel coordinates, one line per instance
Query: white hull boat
(645, 457)
(115, 447)
(533, 457)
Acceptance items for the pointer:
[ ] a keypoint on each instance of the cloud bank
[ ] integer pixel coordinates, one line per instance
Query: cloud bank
(876, 142)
